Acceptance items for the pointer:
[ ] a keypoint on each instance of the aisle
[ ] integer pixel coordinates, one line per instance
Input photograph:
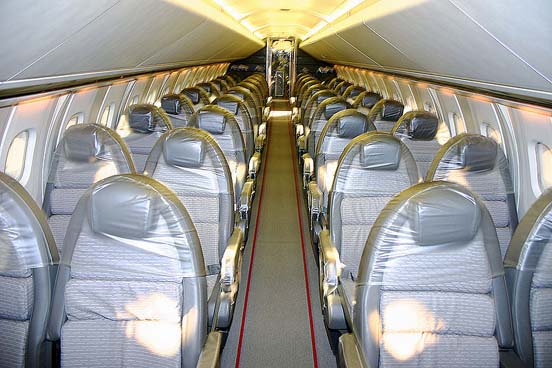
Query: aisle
(278, 329)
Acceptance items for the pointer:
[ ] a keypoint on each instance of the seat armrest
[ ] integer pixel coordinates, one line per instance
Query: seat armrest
(254, 164)
(299, 130)
(210, 354)
(302, 143)
(262, 129)
(314, 200)
(259, 142)
(268, 101)
(308, 168)
(246, 198)
(350, 355)
(230, 260)
(331, 265)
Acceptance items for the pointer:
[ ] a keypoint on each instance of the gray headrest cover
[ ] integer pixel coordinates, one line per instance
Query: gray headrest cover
(123, 209)
(231, 106)
(183, 151)
(370, 99)
(205, 86)
(332, 108)
(192, 94)
(392, 110)
(422, 126)
(323, 97)
(350, 126)
(237, 94)
(141, 119)
(171, 104)
(355, 92)
(381, 155)
(81, 144)
(479, 155)
(213, 122)
(443, 217)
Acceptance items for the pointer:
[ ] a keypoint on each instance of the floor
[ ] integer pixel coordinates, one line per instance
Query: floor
(277, 319)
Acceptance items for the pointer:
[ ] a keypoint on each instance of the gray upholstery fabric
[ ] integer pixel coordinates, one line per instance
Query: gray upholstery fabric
(198, 96)
(418, 130)
(179, 108)
(385, 113)
(139, 136)
(28, 255)
(477, 163)
(245, 94)
(230, 141)
(205, 190)
(139, 300)
(359, 193)
(410, 312)
(335, 136)
(366, 100)
(325, 110)
(237, 107)
(312, 102)
(529, 262)
(73, 170)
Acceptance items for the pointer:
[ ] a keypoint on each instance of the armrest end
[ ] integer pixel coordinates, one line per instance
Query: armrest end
(210, 354)
(331, 265)
(230, 260)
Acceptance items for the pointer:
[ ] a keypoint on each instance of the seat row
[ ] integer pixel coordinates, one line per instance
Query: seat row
(403, 266)
(121, 268)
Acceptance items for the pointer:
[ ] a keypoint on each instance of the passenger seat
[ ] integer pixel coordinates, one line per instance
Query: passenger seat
(223, 127)
(131, 289)
(373, 168)
(340, 130)
(385, 113)
(86, 154)
(28, 257)
(190, 162)
(198, 96)
(179, 108)
(528, 266)
(480, 165)
(430, 289)
(418, 130)
(365, 101)
(144, 125)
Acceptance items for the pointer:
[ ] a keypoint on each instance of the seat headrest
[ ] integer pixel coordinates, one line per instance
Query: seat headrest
(331, 108)
(171, 104)
(370, 99)
(192, 95)
(82, 144)
(421, 125)
(324, 96)
(478, 153)
(124, 209)
(391, 110)
(231, 106)
(183, 151)
(383, 153)
(351, 125)
(211, 121)
(237, 94)
(355, 92)
(141, 118)
(443, 216)
(205, 86)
